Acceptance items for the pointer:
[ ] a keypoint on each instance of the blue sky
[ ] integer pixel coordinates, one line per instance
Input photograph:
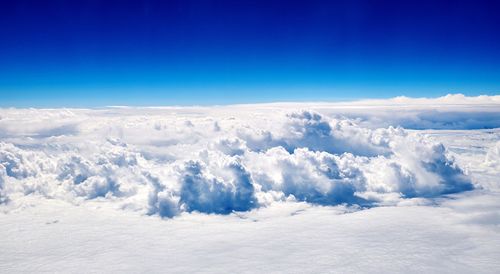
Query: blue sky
(97, 53)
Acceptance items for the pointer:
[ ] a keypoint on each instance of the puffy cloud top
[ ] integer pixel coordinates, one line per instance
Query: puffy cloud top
(216, 160)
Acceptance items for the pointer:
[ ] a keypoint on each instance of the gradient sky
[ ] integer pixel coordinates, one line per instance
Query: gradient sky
(97, 53)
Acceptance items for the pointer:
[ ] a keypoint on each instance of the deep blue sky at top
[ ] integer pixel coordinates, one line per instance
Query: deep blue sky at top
(96, 53)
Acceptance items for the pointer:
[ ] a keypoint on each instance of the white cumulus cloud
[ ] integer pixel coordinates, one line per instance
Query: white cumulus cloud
(167, 161)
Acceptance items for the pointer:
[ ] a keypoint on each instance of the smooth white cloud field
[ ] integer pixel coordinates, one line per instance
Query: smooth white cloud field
(388, 185)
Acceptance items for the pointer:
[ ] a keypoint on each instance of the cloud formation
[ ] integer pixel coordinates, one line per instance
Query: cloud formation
(219, 160)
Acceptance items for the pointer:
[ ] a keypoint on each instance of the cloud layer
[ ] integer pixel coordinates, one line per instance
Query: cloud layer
(219, 160)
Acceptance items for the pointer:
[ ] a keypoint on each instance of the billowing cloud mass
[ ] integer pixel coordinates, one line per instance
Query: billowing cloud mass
(165, 161)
